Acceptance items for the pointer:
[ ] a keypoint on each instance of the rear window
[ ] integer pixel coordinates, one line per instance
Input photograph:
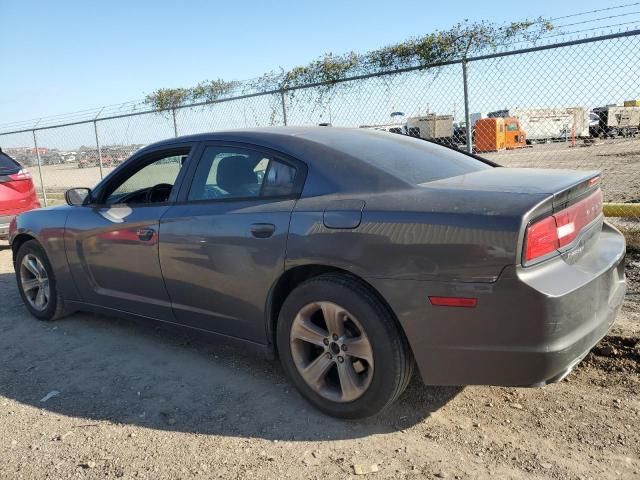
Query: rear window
(8, 164)
(412, 160)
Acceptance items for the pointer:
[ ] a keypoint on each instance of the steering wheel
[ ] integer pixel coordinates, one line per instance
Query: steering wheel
(158, 193)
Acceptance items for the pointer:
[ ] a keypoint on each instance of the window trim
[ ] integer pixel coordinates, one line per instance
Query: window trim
(198, 155)
(139, 161)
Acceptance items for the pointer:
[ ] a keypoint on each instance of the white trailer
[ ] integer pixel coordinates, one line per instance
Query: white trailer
(431, 126)
(542, 124)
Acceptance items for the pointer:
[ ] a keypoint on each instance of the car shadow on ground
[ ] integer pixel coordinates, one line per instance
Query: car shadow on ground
(131, 373)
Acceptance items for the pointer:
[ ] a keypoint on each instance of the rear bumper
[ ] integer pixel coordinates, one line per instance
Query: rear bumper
(530, 327)
(5, 221)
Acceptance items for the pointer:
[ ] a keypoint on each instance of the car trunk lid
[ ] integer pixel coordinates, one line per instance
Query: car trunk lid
(564, 205)
(518, 180)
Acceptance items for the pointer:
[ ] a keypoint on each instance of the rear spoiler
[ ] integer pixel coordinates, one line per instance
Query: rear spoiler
(572, 194)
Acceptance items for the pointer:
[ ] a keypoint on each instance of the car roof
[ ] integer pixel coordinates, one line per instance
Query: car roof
(316, 134)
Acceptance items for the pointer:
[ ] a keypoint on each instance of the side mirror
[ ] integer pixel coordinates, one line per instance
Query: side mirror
(77, 197)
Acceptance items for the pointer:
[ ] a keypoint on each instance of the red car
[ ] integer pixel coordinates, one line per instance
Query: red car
(17, 192)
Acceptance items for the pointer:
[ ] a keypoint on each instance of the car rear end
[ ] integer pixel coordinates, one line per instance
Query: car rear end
(571, 275)
(550, 304)
(17, 192)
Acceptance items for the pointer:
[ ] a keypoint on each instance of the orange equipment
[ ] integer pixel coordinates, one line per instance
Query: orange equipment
(495, 134)
(489, 134)
(514, 136)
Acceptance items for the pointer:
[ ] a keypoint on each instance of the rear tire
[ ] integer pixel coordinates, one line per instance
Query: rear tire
(37, 283)
(353, 365)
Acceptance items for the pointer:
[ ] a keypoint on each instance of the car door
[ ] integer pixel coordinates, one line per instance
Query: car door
(222, 245)
(112, 243)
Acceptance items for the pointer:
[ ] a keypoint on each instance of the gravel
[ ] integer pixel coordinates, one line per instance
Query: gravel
(135, 401)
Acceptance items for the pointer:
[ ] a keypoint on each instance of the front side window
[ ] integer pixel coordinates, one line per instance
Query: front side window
(150, 184)
(229, 172)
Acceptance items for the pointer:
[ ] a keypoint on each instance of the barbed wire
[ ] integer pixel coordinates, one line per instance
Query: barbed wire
(592, 20)
(606, 9)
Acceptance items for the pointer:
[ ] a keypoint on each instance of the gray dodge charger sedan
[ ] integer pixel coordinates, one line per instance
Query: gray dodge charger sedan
(353, 255)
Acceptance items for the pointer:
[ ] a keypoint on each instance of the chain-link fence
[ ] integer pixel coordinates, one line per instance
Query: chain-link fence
(567, 105)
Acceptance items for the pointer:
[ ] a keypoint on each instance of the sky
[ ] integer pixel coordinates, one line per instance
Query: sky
(70, 55)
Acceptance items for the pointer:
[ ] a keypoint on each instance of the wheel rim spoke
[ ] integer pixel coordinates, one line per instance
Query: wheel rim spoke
(349, 384)
(40, 299)
(359, 347)
(334, 317)
(43, 272)
(45, 287)
(315, 373)
(28, 285)
(304, 330)
(31, 264)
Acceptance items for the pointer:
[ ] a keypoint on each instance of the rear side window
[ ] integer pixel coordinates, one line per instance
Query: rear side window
(412, 160)
(230, 172)
(8, 164)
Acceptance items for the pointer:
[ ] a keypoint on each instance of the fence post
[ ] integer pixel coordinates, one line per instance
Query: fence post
(175, 123)
(95, 129)
(284, 108)
(44, 190)
(467, 114)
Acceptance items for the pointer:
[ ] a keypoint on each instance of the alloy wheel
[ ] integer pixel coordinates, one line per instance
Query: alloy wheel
(331, 351)
(35, 282)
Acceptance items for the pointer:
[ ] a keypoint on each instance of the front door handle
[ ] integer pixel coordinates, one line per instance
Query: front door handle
(145, 234)
(262, 230)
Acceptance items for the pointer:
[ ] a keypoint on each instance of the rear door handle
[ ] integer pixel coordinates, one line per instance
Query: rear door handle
(262, 230)
(145, 234)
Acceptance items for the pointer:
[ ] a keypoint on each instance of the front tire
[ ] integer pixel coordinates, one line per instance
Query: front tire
(342, 348)
(37, 282)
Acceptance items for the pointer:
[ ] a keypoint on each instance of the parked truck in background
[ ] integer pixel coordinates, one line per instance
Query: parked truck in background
(616, 121)
(495, 134)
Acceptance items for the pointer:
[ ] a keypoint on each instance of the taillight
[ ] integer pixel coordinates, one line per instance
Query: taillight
(542, 239)
(560, 229)
(21, 175)
(573, 219)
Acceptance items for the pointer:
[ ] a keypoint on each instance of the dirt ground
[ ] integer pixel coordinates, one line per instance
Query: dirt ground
(134, 401)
